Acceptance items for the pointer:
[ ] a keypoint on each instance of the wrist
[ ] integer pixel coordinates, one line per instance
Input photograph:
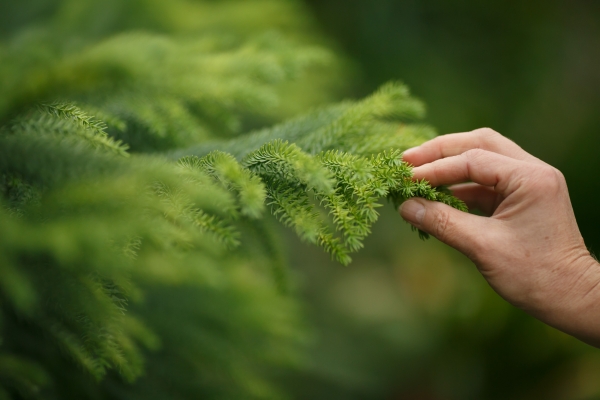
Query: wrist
(573, 306)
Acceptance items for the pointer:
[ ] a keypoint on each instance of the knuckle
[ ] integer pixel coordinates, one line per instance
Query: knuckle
(441, 224)
(486, 133)
(549, 179)
(559, 176)
(474, 153)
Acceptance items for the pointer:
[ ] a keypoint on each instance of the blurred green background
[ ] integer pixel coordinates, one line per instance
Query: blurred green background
(412, 319)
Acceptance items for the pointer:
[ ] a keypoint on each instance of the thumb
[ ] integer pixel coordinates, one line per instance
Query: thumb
(458, 229)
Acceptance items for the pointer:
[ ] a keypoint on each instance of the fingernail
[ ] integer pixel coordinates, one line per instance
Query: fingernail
(408, 152)
(416, 170)
(412, 211)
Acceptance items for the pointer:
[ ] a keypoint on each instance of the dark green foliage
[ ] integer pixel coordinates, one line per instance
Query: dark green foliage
(129, 269)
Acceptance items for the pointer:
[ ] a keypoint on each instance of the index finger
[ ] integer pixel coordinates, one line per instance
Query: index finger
(457, 143)
(479, 166)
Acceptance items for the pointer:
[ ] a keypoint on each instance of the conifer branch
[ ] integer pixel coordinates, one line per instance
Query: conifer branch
(225, 168)
(93, 130)
(290, 164)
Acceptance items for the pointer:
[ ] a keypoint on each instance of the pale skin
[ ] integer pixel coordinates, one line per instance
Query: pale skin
(527, 245)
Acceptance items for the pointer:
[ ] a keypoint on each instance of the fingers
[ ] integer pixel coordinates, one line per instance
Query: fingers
(480, 166)
(475, 196)
(463, 231)
(457, 143)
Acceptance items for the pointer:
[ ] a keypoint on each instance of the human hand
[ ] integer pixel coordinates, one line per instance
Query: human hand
(528, 246)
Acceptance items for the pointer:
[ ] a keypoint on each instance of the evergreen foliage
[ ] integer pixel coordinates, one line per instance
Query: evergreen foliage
(137, 255)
